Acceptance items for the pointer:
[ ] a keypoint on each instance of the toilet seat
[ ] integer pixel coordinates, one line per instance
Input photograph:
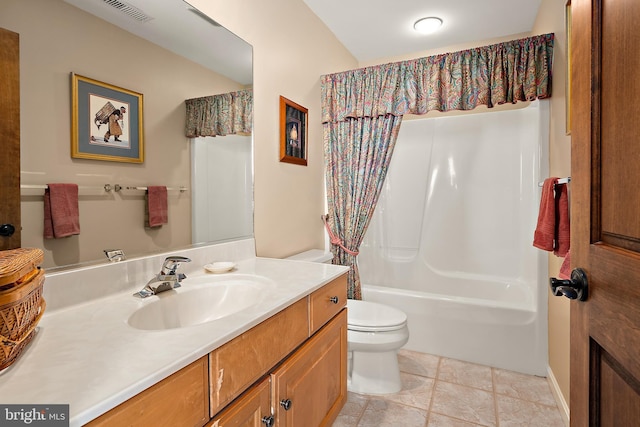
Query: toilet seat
(365, 316)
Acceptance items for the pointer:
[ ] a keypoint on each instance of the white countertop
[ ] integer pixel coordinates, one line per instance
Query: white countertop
(87, 356)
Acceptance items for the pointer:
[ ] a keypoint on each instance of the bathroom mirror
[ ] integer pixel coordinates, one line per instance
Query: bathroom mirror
(109, 219)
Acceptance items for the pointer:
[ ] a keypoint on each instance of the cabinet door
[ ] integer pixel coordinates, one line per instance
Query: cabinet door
(252, 409)
(310, 388)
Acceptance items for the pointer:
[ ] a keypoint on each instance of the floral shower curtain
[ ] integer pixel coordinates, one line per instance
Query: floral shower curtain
(219, 115)
(362, 110)
(358, 154)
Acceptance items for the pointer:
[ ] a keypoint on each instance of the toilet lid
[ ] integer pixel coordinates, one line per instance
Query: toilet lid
(370, 316)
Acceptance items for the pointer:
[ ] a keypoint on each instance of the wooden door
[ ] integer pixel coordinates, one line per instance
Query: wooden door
(310, 387)
(605, 215)
(9, 140)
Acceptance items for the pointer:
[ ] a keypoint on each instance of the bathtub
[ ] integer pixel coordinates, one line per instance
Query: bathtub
(478, 330)
(450, 242)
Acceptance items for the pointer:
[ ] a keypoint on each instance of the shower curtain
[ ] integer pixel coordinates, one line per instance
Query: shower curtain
(362, 110)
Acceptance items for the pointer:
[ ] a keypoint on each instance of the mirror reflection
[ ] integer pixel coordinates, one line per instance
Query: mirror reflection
(167, 51)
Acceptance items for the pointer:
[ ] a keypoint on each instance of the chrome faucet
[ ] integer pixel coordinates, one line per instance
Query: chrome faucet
(167, 278)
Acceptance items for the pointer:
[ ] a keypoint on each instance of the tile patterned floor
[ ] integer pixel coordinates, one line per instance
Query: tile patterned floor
(441, 392)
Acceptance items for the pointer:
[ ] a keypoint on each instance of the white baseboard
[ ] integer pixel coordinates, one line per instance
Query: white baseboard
(557, 394)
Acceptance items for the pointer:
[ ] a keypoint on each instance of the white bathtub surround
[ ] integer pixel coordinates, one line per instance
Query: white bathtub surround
(86, 355)
(450, 243)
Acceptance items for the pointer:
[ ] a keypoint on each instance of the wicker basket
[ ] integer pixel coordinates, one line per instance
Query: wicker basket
(21, 302)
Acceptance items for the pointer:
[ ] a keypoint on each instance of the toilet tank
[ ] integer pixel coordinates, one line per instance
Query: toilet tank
(313, 255)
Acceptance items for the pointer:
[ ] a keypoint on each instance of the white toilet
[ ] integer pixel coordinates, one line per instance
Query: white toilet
(375, 333)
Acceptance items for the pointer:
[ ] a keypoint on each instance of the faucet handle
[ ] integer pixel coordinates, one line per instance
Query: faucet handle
(172, 263)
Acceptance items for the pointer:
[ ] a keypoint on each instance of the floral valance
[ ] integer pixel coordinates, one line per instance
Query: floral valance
(512, 71)
(224, 114)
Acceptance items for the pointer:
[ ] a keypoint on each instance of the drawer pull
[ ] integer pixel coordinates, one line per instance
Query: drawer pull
(268, 421)
(286, 404)
(334, 300)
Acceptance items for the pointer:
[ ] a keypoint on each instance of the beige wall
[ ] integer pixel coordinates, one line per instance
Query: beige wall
(57, 39)
(291, 50)
(551, 19)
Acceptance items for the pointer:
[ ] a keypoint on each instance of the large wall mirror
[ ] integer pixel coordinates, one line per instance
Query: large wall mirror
(169, 52)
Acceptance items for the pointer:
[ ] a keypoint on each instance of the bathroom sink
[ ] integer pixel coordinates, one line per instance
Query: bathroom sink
(200, 300)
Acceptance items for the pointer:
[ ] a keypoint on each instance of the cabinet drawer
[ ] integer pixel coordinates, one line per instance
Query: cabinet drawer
(243, 360)
(248, 410)
(178, 400)
(326, 302)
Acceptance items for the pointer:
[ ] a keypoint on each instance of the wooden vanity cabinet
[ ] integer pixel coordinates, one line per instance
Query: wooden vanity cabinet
(309, 389)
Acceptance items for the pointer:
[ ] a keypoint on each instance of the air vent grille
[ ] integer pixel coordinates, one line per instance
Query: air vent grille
(128, 9)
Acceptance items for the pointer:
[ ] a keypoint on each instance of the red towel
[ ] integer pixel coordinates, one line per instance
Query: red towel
(563, 231)
(61, 213)
(156, 206)
(553, 229)
(543, 237)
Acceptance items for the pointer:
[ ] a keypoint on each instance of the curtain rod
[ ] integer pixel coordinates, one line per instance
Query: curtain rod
(119, 187)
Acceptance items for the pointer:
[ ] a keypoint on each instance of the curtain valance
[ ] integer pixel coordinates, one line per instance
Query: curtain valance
(512, 71)
(224, 114)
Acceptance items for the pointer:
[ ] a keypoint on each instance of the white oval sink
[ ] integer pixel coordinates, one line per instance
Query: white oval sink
(200, 300)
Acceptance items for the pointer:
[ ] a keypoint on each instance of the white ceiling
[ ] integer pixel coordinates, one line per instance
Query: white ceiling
(372, 29)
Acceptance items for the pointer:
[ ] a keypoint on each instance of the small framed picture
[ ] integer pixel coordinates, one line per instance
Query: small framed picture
(106, 122)
(293, 132)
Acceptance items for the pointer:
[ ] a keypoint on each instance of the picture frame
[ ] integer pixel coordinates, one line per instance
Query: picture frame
(293, 132)
(106, 121)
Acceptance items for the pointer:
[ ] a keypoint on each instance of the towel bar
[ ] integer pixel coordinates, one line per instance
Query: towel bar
(119, 187)
(106, 187)
(560, 181)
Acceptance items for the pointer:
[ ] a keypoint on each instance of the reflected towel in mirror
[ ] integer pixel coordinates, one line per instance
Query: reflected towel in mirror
(156, 207)
(61, 213)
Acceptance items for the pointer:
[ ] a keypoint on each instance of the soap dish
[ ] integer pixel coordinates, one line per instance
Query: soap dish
(220, 267)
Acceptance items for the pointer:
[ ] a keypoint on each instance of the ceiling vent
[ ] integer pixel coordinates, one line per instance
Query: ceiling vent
(129, 10)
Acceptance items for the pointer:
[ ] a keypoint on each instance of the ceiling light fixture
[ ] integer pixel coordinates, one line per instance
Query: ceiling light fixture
(427, 25)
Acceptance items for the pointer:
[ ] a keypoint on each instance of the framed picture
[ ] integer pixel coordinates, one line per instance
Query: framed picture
(106, 122)
(293, 132)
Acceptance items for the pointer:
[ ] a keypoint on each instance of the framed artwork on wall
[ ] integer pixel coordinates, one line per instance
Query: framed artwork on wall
(293, 132)
(106, 122)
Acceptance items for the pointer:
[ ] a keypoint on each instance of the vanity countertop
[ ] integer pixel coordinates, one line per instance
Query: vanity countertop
(87, 356)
